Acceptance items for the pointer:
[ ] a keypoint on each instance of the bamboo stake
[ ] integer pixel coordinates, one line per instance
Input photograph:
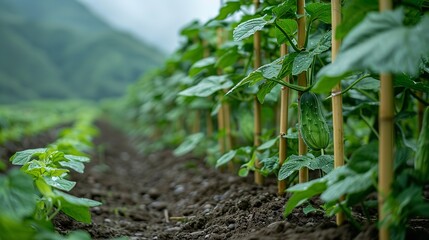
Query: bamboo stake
(256, 105)
(284, 103)
(385, 155)
(302, 81)
(337, 100)
(209, 124)
(196, 127)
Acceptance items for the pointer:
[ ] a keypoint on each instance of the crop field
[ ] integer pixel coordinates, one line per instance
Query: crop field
(276, 119)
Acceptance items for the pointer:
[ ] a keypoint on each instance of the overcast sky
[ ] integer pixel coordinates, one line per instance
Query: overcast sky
(156, 21)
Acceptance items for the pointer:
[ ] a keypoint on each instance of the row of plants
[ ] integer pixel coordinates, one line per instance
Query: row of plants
(32, 196)
(30, 118)
(324, 88)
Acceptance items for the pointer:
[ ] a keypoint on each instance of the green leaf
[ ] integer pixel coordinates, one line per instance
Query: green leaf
(309, 209)
(225, 158)
(267, 71)
(17, 195)
(381, 43)
(189, 144)
(201, 64)
(406, 81)
(302, 192)
(286, 9)
(264, 90)
(228, 59)
(77, 208)
(323, 162)
(349, 185)
(249, 27)
(77, 166)
(243, 172)
(354, 11)
(364, 158)
(293, 163)
(228, 9)
(60, 183)
(368, 83)
(323, 44)
(289, 26)
(269, 165)
(77, 158)
(319, 11)
(302, 62)
(208, 86)
(22, 157)
(268, 144)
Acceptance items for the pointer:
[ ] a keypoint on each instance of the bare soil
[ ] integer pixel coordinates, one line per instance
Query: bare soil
(160, 196)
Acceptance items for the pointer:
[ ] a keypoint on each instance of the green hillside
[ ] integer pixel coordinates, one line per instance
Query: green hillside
(59, 49)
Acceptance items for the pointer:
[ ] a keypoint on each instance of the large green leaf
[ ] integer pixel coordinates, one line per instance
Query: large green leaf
(292, 164)
(17, 195)
(249, 27)
(226, 158)
(289, 26)
(323, 162)
(75, 165)
(267, 71)
(208, 86)
(77, 208)
(228, 9)
(264, 90)
(228, 59)
(302, 62)
(77, 158)
(201, 64)
(349, 185)
(189, 144)
(319, 11)
(354, 11)
(381, 43)
(60, 183)
(268, 144)
(286, 9)
(22, 157)
(302, 192)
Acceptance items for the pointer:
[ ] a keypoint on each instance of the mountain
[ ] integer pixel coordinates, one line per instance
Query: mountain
(59, 49)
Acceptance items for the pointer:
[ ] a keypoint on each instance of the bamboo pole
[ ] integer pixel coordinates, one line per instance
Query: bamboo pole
(302, 81)
(209, 124)
(284, 103)
(256, 105)
(385, 155)
(196, 127)
(337, 100)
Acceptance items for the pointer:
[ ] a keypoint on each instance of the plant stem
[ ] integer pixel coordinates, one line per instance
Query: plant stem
(365, 120)
(302, 81)
(284, 103)
(351, 85)
(337, 102)
(292, 44)
(290, 85)
(385, 155)
(256, 105)
(350, 217)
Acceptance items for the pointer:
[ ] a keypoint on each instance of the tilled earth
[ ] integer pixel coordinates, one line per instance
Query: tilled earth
(160, 196)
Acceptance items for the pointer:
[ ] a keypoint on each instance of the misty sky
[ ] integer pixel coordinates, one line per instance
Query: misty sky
(156, 21)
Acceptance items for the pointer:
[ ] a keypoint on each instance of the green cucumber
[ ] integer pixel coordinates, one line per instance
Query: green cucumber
(313, 127)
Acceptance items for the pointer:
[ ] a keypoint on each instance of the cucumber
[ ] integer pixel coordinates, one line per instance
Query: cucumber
(421, 163)
(313, 127)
